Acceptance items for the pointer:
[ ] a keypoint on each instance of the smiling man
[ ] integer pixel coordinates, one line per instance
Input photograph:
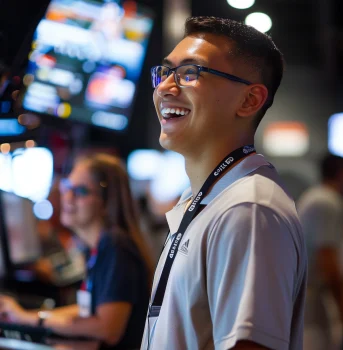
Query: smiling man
(233, 270)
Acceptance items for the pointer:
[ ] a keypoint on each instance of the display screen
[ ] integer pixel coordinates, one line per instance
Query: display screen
(86, 59)
(21, 228)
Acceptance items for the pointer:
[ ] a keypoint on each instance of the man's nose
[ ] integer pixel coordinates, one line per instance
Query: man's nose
(168, 86)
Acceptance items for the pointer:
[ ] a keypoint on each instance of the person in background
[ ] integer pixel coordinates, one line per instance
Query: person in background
(97, 205)
(232, 274)
(321, 213)
(56, 240)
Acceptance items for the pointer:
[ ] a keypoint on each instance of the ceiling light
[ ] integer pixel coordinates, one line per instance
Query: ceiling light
(286, 139)
(241, 4)
(260, 21)
(335, 128)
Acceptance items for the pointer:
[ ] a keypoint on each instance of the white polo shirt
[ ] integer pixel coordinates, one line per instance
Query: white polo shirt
(240, 271)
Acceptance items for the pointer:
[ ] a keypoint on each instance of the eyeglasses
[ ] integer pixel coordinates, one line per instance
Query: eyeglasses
(79, 191)
(187, 75)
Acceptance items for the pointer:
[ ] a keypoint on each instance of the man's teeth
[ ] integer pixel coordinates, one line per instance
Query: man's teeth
(179, 111)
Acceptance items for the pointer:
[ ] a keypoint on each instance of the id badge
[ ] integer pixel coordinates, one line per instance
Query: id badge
(84, 301)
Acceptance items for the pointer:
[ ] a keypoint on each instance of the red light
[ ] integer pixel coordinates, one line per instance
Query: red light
(16, 80)
(130, 8)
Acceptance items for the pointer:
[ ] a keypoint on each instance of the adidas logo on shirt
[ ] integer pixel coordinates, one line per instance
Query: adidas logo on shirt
(184, 247)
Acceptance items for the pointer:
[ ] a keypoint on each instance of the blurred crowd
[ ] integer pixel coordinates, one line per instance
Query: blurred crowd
(320, 210)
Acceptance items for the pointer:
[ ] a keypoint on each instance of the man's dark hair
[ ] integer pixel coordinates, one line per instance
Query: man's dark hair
(253, 47)
(331, 166)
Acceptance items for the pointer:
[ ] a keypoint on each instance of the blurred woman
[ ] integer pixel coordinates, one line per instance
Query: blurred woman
(96, 203)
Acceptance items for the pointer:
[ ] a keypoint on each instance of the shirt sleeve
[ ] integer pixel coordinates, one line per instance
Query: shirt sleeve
(251, 272)
(119, 276)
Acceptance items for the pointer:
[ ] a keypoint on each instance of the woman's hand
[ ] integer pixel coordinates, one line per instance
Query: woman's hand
(11, 311)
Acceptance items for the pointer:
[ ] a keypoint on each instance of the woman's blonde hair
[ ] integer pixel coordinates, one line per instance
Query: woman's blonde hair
(121, 215)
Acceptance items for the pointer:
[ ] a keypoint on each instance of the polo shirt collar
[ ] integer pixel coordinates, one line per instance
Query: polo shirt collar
(244, 168)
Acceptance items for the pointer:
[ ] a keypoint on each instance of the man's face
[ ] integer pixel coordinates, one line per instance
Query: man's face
(209, 107)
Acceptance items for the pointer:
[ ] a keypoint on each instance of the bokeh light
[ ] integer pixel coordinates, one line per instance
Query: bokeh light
(259, 21)
(241, 4)
(43, 210)
(30, 144)
(5, 148)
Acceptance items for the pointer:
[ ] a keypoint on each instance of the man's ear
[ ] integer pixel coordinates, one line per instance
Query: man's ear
(255, 97)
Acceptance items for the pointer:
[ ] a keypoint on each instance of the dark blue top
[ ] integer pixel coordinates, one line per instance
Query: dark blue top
(119, 275)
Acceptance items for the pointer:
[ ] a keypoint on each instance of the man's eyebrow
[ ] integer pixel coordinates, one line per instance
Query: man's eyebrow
(195, 60)
(166, 62)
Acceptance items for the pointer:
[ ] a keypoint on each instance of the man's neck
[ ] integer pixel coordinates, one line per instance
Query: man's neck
(200, 166)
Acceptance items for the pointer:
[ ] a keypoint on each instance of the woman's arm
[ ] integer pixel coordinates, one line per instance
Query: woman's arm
(108, 324)
(69, 310)
(13, 312)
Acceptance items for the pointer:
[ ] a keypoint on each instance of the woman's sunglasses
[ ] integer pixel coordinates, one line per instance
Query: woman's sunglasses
(78, 191)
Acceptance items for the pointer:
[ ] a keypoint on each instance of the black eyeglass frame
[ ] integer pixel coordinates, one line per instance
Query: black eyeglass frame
(199, 70)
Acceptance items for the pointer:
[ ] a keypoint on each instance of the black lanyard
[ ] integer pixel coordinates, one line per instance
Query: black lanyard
(189, 215)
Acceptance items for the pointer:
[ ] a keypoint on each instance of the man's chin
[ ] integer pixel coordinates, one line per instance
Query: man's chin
(172, 144)
(167, 143)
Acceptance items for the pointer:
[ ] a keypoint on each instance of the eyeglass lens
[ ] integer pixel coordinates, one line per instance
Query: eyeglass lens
(185, 75)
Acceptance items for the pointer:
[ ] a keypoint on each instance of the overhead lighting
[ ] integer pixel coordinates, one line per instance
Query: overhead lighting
(43, 209)
(286, 139)
(165, 172)
(241, 4)
(32, 172)
(5, 148)
(259, 21)
(335, 130)
(30, 144)
(142, 164)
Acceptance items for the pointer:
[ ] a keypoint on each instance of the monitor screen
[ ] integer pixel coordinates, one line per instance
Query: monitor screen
(86, 59)
(21, 228)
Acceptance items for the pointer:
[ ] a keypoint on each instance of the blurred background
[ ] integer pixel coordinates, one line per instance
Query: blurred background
(309, 33)
(65, 57)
